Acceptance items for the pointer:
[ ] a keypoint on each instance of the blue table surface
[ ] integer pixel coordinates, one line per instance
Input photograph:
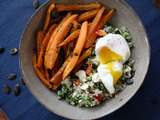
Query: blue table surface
(145, 105)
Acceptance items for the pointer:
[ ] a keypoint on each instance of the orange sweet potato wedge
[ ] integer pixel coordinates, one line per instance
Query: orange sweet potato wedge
(77, 50)
(52, 50)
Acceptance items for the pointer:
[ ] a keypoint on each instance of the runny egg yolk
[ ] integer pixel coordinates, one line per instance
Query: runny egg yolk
(106, 55)
(116, 74)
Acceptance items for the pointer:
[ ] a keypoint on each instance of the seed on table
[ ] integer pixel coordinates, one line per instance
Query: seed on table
(17, 90)
(36, 4)
(6, 89)
(13, 51)
(12, 76)
(1, 49)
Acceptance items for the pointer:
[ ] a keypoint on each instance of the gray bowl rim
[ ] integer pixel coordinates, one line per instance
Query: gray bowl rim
(34, 94)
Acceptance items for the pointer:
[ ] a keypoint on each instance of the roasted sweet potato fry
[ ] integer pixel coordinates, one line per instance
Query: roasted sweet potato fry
(57, 29)
(44, 44)
(39, 73)
(93, 28)
(105, 18)
(48, 16)
(77, 50)
(53, 50)
(76, 25)
(101, 33)
(47, 76)
(57, 78)
(39, 39)
(90, 6)
(84, 55)
(87, 15)
(81, 59)
(70, 38)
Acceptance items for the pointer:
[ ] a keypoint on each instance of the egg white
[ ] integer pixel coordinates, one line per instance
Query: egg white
(105, 73)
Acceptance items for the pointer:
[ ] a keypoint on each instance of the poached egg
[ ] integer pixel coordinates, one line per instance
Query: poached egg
(112, 47)
(112, 51)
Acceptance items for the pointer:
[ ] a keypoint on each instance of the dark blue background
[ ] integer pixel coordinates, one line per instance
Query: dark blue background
(145, 105)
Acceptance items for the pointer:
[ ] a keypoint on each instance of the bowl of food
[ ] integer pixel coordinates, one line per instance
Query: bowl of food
(84, 57)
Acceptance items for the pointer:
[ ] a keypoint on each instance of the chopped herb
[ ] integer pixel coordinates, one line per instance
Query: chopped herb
(93, 53)
(64, 91)
(109, 29)
(89, 78)
(13, 51)
(94, 67)
(12, 76)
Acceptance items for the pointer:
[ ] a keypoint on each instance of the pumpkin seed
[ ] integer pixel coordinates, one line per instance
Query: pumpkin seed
(17, 90)
(1, 49)
(36, 4)
(12, 76)
(13, 51)
(6, 89)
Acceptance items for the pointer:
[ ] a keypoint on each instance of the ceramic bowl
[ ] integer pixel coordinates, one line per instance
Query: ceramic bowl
(124, 16)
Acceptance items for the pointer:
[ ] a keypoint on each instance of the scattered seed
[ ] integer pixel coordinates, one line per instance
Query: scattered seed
(17, 90)
(36, 4)
(6, 89)
(12, 76)
(1, 49)
(13, 51)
